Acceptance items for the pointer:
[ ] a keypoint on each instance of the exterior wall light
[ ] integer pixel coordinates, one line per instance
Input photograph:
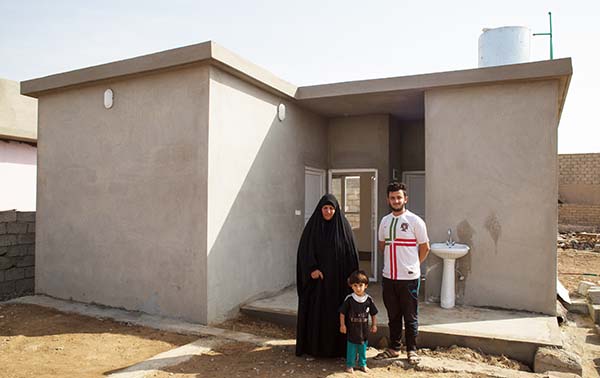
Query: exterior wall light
(108, 98)
(281, 112)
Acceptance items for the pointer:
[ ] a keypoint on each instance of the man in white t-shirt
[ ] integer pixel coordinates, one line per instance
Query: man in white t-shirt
(403, 239)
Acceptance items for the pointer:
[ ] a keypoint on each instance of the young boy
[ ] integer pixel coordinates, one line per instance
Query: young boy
(354, 320)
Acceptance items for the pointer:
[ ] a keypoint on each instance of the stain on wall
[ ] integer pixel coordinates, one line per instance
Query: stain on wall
(492, 225)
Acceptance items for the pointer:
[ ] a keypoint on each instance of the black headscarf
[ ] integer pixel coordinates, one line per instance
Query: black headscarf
(327, 246)
(323, 237)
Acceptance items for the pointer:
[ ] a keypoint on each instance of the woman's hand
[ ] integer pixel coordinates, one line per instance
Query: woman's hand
(343, 328)
(316, 274)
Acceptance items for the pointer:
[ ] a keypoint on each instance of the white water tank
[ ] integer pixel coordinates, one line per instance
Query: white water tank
(504, 45)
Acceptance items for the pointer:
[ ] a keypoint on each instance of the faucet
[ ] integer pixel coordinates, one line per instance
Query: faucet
(450, 242)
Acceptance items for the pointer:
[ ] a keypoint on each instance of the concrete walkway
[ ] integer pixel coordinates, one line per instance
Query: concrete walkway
(511, 333)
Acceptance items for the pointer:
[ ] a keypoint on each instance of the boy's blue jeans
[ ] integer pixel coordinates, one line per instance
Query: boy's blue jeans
(352, 350)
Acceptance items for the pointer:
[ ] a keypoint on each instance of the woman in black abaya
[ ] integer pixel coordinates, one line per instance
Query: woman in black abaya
(326, 257)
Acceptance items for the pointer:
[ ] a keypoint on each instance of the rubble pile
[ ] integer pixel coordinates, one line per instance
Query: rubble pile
(579, 240)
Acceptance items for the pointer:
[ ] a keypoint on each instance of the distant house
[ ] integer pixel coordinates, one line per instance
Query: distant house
(18, 139)
(178, 183)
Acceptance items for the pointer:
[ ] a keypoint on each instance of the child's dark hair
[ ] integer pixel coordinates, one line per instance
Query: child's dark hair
(395, 186)
(358, 277)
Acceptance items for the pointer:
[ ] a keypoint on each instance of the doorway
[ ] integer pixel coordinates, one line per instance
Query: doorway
(356, 191)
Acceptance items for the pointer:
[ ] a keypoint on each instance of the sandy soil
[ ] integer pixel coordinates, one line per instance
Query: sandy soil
(248, 324)
(572, 264)
(583, 339)
(244, 360)
(41, 342)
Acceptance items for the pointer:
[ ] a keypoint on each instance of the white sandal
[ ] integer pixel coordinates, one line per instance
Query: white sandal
(413, 357)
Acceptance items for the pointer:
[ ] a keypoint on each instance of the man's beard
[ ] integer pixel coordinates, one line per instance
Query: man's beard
(398, 209)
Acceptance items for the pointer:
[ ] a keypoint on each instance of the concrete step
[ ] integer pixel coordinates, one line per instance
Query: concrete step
(593, 294)
(578, 306)
(499, 332)
(594, 311)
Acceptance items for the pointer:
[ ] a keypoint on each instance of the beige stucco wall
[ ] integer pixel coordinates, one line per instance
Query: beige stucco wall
(18, 114)
(256, 182)
(121, 217)
(491, 168)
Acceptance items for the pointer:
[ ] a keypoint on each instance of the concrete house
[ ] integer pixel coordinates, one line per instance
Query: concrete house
(184, 189)
(18, 139)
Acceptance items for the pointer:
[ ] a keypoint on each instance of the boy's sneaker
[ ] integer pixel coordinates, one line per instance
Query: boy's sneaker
(413, 357)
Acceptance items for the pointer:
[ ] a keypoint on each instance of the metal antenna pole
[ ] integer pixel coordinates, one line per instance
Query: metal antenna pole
(549, 34)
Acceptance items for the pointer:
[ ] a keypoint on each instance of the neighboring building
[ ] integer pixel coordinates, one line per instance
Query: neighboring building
(18, 139)
(186, 196)
(579, 191)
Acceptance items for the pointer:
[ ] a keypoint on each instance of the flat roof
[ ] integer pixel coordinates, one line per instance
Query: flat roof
(202, 53)
(402, 96)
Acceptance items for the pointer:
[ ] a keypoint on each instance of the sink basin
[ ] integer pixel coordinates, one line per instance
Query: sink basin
(444, 251)
(449, 254)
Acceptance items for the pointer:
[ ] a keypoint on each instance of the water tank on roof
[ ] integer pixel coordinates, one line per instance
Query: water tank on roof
(504, 45)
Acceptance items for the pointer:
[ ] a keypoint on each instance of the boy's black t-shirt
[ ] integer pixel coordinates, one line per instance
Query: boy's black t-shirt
(357, 317)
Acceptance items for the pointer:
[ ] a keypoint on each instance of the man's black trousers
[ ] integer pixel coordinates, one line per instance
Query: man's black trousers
(401, 300)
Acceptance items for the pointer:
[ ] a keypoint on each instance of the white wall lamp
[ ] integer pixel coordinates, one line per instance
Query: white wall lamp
(281, 112)
(108, 98)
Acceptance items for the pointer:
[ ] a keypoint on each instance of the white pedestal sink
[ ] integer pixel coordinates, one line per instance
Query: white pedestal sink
(449, 253)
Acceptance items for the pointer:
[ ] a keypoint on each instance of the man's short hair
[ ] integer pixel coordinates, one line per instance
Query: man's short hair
(358, 277)
(395, 186)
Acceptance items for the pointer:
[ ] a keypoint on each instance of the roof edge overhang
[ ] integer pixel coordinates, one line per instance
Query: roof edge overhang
(558, 69)
(514, 72)
(18, 138)
(203, 53)
(215, 55)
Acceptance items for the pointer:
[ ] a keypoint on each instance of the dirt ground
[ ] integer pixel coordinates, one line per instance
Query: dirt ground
(243, 360)
(587, 342)
(572, 266)
(42, 342)
(239, 360)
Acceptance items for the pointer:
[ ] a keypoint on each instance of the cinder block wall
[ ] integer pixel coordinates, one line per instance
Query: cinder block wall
(579, 215)
(579, 190)
(17, 253)
(579, 169)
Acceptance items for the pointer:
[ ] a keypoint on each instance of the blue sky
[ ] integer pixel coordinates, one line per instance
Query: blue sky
(309, 42)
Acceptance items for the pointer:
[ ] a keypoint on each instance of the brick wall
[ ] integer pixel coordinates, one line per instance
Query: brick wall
(579, 190)
(579, 169)
(579, 215)
(17, 253)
